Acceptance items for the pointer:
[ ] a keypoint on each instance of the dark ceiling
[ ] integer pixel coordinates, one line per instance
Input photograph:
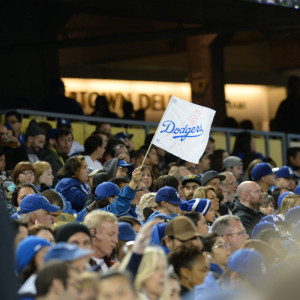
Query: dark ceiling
(148, 20)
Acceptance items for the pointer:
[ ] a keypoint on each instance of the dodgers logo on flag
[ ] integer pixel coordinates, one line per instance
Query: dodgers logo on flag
(184, 129)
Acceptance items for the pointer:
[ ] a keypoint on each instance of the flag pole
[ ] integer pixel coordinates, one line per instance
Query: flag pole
(146, 155)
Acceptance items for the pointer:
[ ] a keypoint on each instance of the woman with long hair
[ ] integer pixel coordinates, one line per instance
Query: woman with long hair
(151, 279)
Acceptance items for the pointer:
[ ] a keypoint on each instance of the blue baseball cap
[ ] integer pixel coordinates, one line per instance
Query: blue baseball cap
(27, 249)
(66, 252)
(293, 215)
(123, 135)
(126, 232)
(51, 134)
(280, 198)
(63, 123)
(34, 202)
(261, 170)
(199, 205)
(297, 190)
(285, 172)
(271, 218)
(262, 226)
(249, 263)
(168, 194)
(123, 163)
(106, 189)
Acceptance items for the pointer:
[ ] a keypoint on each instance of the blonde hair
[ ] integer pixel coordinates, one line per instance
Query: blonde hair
(88, 281)
(148, 266)
(288, 202)
(146, 201)
(39, 168)
(201, 191)
(96, 217)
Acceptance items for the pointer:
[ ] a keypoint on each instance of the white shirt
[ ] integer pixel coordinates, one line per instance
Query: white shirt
(93, 164)
(100, 262)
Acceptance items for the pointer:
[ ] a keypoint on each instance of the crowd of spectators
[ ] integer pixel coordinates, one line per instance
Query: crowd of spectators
(104, 220)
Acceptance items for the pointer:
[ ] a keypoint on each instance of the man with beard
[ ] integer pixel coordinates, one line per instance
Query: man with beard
(190, 183)
(250, 196)
(35, 140)
(229, 187)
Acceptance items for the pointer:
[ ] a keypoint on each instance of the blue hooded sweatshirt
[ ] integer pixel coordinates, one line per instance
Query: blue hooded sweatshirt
(74, 191)
(119, 207)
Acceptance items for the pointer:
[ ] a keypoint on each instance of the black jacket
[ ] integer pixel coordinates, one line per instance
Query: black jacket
(248, 216)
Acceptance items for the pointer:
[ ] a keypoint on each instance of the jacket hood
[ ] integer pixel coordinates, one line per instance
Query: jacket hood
(110, 167)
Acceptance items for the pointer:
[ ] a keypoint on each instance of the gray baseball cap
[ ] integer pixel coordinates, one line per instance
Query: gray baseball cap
(206, 177)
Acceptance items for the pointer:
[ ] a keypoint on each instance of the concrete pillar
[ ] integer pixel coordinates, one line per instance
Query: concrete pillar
(206, 72)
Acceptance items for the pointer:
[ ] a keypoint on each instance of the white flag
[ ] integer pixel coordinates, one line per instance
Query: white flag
(184, 129)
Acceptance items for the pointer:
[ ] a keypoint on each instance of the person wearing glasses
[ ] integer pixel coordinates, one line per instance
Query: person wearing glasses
(23, 173)
(217, 252)
(231, 229)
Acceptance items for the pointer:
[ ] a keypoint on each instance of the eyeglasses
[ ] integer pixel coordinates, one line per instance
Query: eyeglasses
(13, 122)
(142, 189)
(242, 233)
(31, 173)
(184, 241)
(223, 245)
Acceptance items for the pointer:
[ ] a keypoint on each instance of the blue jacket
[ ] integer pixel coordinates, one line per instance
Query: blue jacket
(131, 212)
(154, 214)
(119, 207)
(74, 191)
(210, 283)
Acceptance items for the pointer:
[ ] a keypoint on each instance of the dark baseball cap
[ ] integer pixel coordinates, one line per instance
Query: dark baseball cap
(207, 176)
(191, 178)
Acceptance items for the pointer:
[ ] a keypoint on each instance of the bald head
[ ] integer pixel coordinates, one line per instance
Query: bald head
(250, 194)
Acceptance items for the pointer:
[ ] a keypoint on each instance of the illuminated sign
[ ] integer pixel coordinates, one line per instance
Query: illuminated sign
(253, 102)
(149, 95)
